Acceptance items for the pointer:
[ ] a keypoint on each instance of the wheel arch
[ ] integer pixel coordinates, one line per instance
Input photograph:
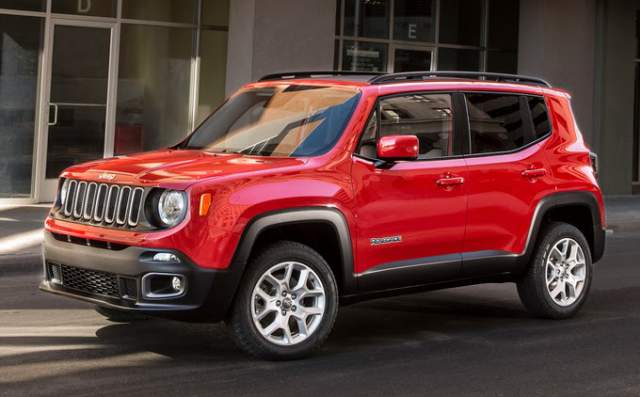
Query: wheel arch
(580, 209)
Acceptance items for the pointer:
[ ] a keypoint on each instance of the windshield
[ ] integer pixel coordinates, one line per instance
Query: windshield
(283, 120)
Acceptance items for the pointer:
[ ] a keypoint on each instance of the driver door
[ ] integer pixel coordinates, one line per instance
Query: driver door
(411, 214)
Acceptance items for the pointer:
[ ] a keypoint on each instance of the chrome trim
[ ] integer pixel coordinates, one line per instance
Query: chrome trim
(89, 204)
(137, 191)
(98, 217)
(127, 204)
(68, 205)
(77, 213)
(108, 219)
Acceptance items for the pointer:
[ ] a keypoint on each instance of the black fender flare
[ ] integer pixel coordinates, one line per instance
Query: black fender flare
(263, 222)
(564, 199)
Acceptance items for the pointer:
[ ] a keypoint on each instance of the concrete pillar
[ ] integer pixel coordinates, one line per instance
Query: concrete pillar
(267, 36)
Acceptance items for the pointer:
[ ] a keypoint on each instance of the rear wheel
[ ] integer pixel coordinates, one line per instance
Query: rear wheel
(287, 303)
(119, 316)
(559, 277)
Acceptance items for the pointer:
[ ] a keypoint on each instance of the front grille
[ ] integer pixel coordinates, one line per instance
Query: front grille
(103, 204)
(90, 281)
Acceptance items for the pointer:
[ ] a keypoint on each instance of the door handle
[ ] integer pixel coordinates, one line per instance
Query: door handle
(55, 114)
(450, 181)
(534, 173)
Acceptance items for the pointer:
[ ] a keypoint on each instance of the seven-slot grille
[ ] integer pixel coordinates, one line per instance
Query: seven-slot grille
(89, 281)
(100, 203)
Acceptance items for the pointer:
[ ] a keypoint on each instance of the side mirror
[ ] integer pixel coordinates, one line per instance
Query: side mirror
(398, 147)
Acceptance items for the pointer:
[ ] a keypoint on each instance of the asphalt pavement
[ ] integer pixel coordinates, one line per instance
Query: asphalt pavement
(467, 341)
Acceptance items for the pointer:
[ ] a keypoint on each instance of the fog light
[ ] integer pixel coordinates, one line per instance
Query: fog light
(55, 274)
(165, 257)
(176, 283)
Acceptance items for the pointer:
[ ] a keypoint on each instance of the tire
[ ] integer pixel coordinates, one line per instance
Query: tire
(551, 286)
(261, 294)
(119, 316)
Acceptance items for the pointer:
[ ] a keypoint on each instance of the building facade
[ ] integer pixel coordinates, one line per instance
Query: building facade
(86, 79)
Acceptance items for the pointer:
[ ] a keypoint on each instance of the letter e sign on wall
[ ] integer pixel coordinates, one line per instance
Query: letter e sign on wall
(411, 32)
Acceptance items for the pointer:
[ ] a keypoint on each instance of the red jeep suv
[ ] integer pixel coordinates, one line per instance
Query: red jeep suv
(306, 190)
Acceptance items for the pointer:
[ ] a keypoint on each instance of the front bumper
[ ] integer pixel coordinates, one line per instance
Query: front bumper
(113, 278)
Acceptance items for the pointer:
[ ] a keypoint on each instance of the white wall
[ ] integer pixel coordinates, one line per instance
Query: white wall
(267, 36)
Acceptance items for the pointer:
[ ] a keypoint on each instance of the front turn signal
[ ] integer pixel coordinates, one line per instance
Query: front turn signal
(205, 203)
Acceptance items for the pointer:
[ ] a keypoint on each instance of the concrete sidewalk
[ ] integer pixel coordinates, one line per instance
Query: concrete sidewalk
(21, 230)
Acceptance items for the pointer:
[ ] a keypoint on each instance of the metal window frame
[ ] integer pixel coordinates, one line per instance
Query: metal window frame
(433, 47)
(40, 186)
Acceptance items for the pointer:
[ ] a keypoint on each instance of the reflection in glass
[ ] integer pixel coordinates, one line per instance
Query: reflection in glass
(213, 66)
(366, 18)
(29, 5)
(458, 59)
(502, 61)
(20, 41)
(183, 11)
(78, 102)
(153, 87)
(503, 36)
(215, 12)
(414, 20)
(100, 8)
(411, 60)
(461, 22)
(364, 57)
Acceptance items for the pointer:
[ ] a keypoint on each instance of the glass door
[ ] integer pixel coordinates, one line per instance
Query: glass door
(412, 59)
(76, 110)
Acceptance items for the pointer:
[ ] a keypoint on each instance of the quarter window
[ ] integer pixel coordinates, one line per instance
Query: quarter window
(496, 123)
(427, 116)
(540, 117)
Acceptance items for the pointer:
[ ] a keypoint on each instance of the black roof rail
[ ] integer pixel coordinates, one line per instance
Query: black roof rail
(303, 75)
(417, 76)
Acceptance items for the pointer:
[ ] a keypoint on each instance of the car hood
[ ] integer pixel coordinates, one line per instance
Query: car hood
(175, 168)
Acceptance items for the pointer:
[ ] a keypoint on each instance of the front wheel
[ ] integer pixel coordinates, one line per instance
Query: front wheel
(287, 303)
(559, 277)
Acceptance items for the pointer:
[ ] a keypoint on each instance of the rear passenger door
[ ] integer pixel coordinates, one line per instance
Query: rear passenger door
(507, 176)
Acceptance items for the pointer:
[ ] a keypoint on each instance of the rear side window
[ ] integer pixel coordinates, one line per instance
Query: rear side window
(539, 116)
(427, 116)
(496, 123)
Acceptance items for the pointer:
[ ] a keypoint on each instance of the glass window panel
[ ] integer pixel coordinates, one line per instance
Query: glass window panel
(457, 59)
(215, 12)
(540, 116)
(101, 8)
(183, 11)
(79, 83)
(20, 44)
(502, 61)
(213, 67)
(503, 24)
(414, 20)
(461, 22)
(495, 122)
(364, 57)
(367, 18)
(408, 60)
(153, 87)
(427, 116)
(28, 5)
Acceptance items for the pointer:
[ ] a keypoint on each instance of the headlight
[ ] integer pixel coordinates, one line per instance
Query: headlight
(64, 191)
(172, 207)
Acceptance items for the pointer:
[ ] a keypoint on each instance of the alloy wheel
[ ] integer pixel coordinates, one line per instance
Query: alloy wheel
(288, 303)
(566, 272)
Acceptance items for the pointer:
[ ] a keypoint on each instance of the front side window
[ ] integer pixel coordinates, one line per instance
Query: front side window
(427, 116)
(283, 120)
(495, 122)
